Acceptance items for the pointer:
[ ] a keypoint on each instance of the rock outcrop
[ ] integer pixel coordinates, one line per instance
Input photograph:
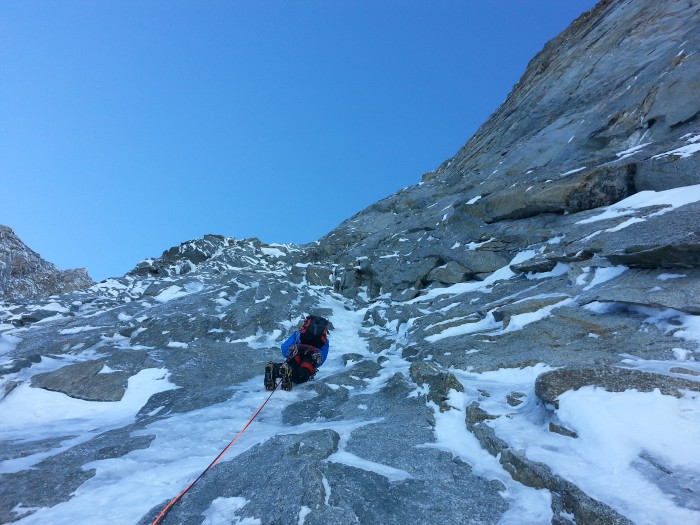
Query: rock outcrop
(589, 124)
(24, 274)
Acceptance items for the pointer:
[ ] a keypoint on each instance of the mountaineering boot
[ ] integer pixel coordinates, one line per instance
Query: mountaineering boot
(270, 376)
(285, 372)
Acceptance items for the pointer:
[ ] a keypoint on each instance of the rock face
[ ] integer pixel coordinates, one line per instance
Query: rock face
(589, 124)
(24, 274)
(514, 339)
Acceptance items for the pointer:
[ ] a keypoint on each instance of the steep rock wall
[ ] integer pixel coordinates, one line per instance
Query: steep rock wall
(603, 112)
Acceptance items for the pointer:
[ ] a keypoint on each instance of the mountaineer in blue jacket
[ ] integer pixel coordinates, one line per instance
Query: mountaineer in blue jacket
(304, 351)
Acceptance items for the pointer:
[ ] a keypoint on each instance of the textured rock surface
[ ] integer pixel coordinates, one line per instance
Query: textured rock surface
(87, 380)
(438, 381)
(551, 385)
(24, 274)
(570, 497)
(557, 250)
(593, 136)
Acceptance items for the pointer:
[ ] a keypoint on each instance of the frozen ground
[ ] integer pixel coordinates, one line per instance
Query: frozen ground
(613, 428)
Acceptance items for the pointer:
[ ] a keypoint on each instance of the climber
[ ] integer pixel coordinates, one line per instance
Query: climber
(304, 351)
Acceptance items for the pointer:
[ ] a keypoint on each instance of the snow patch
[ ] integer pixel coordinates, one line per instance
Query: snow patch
(45, 414)
(667, 276)
(602, 275)
(78, 329)
(483, 286)
(170, 293)
(488, 323)
(572, 171)
(273, 252)
(303, 512)
(520, 321)
(222, 510)
(474, 199)
(684, 151)
(526, 505)
(631, 151)
(672, 199)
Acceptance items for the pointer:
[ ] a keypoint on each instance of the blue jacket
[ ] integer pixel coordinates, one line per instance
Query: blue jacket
(294, 339)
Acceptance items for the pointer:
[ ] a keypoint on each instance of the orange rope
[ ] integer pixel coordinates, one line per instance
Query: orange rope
(216, 460)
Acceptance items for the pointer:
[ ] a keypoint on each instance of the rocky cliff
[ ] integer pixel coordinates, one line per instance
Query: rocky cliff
(24, 274)
(515, 339)
(607, 110)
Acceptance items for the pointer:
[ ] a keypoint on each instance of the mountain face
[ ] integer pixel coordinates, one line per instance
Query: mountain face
(24, 274)
(514, 340)
(607, 110)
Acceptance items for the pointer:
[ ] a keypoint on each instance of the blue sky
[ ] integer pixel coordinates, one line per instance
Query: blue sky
(128, 127)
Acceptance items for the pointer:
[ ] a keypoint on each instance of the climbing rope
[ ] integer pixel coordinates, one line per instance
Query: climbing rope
(216, 460)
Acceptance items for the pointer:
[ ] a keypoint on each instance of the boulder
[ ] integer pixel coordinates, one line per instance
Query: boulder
(439, 382)
(319, 276)
(483, 261)
(550, 385)
(534, 265)
(450, 273)
(476, 414)
(84, 381)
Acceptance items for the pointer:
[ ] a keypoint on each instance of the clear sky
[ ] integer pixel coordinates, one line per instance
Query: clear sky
(128, 127)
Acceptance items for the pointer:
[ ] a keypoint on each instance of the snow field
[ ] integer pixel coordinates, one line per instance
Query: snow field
(177, 455)
(526, 505)
(613, 428)
(222, 510)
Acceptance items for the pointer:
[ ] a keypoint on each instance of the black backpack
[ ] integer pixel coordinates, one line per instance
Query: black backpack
(314, 331)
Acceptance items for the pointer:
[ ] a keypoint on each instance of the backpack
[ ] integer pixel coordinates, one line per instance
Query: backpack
(314, 331)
